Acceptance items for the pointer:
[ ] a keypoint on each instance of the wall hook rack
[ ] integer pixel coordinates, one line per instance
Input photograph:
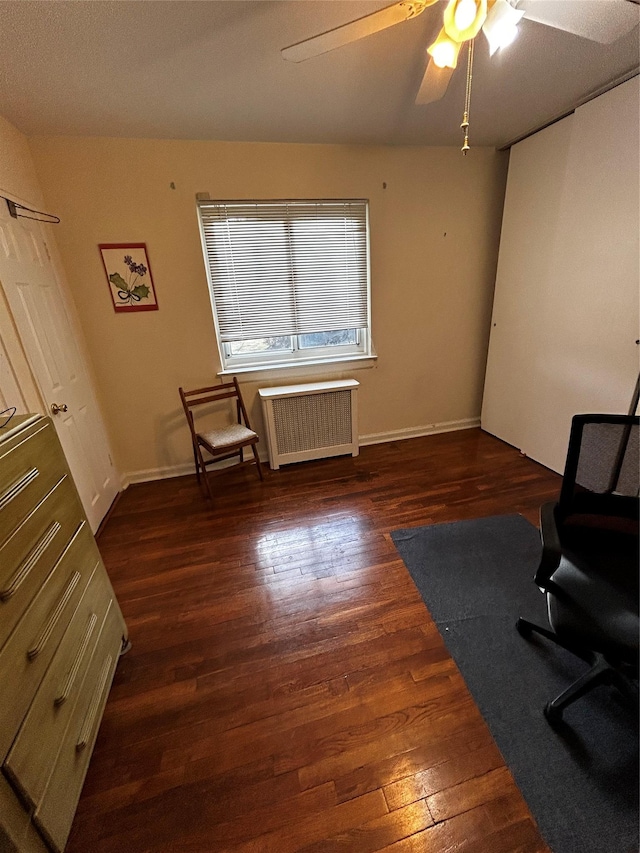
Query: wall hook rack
(14, 207)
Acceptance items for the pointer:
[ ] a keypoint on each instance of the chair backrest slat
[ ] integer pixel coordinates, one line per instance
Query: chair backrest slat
(211, 398)
(212, 394)
(219, 387)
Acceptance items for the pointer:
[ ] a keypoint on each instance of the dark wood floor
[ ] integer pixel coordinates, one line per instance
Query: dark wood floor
(287, 689)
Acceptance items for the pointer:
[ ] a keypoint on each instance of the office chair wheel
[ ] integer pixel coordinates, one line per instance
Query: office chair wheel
(523, 628)
(553, 715)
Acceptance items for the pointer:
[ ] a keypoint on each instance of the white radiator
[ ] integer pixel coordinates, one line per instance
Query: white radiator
(311, 421)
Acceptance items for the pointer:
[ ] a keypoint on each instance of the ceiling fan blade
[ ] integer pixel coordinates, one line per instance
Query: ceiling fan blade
(434, 83)
(604, 21)
(358, 29)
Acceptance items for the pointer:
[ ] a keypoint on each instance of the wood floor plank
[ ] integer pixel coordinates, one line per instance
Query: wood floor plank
(310, 829)
(454, 721)
(377, 833)
(287, 690)
(469, 793)
(503, 826)
(209, 810)
(454, 771)
(408, 765)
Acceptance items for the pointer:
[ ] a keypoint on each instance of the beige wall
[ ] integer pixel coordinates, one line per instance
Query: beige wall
(17, 174)
(434, 241)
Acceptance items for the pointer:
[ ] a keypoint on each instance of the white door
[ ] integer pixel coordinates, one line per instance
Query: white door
(565, 314)
(39, 308)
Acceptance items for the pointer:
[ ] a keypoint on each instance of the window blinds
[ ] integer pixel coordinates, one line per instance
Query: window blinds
(286, 267)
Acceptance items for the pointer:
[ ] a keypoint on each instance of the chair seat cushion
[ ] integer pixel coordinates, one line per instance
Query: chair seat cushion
(227, 436)
(596, 604)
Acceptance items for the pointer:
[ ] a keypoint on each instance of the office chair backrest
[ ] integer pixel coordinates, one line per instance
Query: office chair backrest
(602, 473)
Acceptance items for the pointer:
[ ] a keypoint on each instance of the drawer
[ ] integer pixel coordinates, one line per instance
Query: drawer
(35, 750)
(27, 557)
(30, 466)
(30, 648)
(54, 815)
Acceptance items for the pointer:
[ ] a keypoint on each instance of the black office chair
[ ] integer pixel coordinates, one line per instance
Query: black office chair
(589, 565)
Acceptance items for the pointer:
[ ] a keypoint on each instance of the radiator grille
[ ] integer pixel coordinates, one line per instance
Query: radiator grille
(312, 421)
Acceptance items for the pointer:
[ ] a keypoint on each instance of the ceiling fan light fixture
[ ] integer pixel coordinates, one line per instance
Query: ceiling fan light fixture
(444, 51)
(501, 25)
(463, 19)
(465, 14)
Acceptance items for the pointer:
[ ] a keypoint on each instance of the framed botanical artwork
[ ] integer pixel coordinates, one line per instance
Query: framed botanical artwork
(128, 272)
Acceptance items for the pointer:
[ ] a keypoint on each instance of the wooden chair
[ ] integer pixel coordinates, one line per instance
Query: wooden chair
(221, 442)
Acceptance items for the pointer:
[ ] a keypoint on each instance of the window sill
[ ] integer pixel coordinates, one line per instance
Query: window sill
(303, 368)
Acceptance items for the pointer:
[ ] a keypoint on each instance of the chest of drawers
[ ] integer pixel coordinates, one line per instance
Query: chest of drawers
(61, 633)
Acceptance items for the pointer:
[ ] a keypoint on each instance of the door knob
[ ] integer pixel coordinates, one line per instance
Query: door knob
(58, 407)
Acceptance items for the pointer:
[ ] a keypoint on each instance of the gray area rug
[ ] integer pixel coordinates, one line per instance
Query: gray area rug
(581, 780)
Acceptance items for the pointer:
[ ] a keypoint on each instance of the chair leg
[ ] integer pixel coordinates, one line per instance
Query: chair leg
(627, 686)
(205, 476)
(197, 463)
(525, 628)
(257, 458)
(600, 673)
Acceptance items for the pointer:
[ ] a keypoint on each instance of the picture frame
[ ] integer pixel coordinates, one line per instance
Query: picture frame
(128, 272)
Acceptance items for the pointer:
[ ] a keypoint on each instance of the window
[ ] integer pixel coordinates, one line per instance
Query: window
(289, 280)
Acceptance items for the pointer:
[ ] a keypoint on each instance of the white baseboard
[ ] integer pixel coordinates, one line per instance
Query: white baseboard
(147, 474)
(418, 431)
(144, 475)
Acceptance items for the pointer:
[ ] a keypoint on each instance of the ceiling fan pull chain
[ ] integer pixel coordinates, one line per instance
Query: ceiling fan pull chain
(467, 99)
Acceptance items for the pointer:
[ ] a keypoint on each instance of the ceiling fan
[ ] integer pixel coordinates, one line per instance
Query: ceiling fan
(603, 21)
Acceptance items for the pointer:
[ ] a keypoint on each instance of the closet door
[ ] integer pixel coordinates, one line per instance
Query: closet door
(566, 315)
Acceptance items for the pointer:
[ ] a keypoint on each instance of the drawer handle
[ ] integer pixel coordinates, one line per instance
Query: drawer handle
(30, 561)
(92, 711)
(65, 691)
(56, 613)
(19, 486)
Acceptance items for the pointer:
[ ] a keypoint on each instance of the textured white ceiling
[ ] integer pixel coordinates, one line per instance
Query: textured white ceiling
(213, 70)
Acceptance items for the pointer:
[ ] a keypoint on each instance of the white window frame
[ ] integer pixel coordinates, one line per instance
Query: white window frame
(362, 350)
